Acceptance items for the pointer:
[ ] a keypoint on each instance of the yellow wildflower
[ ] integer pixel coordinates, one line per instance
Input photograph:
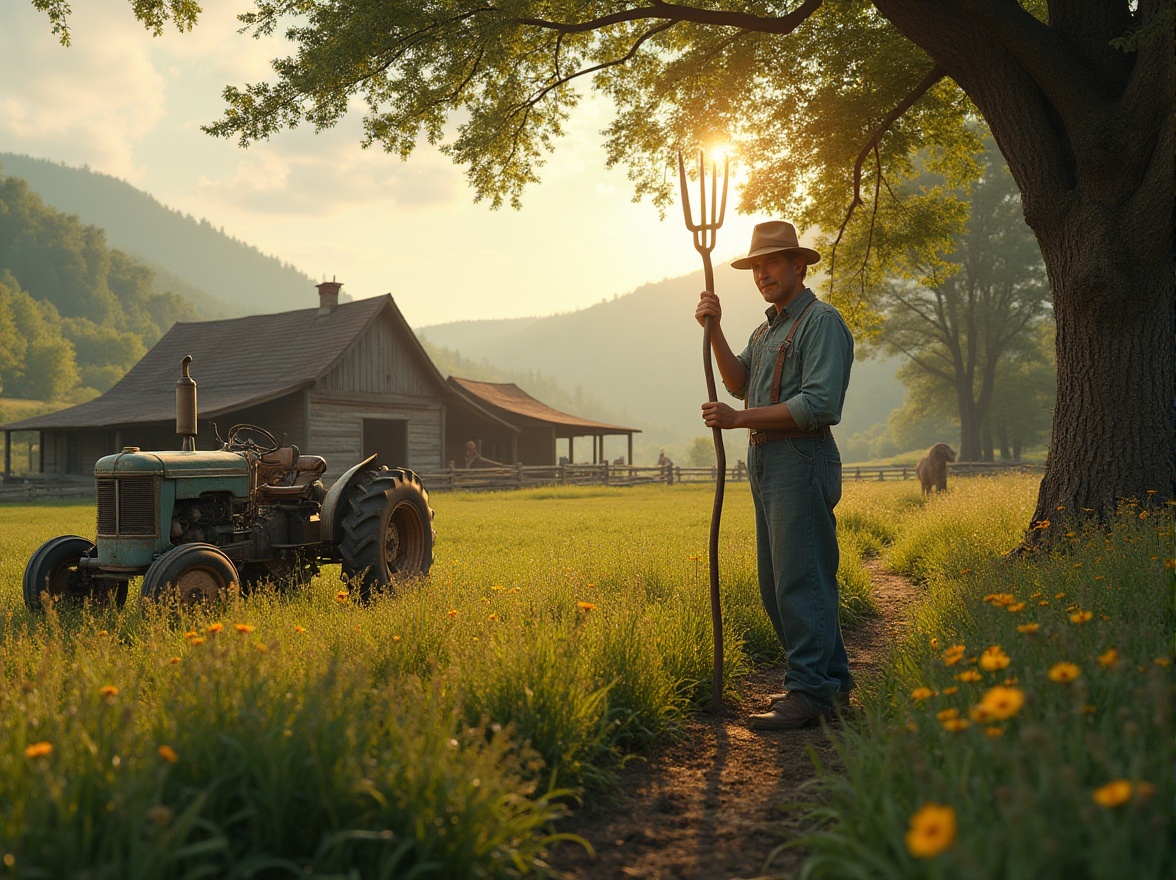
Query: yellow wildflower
(1015, 607)
(953, 655)
(243, 628)
(994, 658)
(969, 675)
(947, 714)
(932, 831)
(452, 612)
(174, 660)
(1115, 793)
(492, 617)
(1163, 661)
(191, 634)
(168, 754)
(922, 693)
(39, 750)
(198, 640)
(1081, 616)
(299, 629)
(993, 731)
(1064, 673)
(1109, 657)
(214, 627)
(1028, 627)
(955, 725)
(585, 606)
(1003, 702)
(947, 692)
(108, 690)
(342, 596)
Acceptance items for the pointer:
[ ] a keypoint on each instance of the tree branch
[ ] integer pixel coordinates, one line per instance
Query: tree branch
(784, 24)
(933, 76)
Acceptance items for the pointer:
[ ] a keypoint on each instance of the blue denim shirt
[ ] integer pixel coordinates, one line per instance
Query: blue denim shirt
(816, 370)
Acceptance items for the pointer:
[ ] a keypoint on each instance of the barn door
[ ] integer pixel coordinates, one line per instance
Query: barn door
(388, 438)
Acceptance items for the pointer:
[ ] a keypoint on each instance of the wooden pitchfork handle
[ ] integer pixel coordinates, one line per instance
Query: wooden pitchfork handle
(704, 242)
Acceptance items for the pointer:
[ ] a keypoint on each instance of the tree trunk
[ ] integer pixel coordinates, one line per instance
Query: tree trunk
(985, 442)
(969, 424)
(1113, 425)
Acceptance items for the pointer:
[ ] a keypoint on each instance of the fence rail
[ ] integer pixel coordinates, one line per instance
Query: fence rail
(41, 487)
(527, 476)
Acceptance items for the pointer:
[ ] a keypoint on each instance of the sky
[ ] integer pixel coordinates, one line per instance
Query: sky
(130, 105)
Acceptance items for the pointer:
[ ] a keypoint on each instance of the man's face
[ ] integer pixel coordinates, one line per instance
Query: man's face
(778, 276)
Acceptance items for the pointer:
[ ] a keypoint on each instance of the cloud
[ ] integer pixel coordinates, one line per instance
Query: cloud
(316, 175)
(89, 103)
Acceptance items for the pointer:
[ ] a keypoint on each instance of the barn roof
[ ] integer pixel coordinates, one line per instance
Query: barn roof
(237, 362)
(512, 401)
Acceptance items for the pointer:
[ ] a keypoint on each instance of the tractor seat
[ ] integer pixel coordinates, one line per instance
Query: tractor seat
(299, 475)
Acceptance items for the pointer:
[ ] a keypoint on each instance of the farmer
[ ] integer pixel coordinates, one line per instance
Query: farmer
(792, 378)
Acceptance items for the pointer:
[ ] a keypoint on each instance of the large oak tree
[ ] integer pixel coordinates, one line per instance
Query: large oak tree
(826, 103)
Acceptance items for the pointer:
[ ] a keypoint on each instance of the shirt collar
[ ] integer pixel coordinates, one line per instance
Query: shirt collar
(795, 307)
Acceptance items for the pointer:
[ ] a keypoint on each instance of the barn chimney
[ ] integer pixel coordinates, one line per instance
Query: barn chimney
(328, 296)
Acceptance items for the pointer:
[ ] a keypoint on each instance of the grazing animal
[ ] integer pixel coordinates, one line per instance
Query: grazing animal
(932, 468)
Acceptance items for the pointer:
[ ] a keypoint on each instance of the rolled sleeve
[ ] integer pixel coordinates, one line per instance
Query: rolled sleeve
(828, 354)
(745, 359)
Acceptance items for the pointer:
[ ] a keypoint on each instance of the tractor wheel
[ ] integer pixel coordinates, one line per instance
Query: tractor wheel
(53, 569)
(387, 530)
(191, 573)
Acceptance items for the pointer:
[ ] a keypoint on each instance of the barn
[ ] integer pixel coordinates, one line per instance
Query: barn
(342, 381)
(541, 427)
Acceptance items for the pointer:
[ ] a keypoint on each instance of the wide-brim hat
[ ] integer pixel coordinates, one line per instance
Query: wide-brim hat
(772, 237)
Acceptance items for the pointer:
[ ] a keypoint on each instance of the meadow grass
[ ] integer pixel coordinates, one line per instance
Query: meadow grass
(1025, 726)
(439, 731)
(436, 732)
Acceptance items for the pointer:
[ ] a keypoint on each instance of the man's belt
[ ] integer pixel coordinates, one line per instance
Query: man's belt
(759, 438)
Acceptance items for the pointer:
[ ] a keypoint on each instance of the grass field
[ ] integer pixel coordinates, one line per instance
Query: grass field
(438, 732)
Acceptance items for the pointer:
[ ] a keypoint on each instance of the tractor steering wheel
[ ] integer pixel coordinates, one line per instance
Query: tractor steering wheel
(248, 437)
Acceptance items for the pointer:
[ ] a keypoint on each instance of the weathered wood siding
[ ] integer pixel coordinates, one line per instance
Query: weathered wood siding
(379, 363)
(336, 428)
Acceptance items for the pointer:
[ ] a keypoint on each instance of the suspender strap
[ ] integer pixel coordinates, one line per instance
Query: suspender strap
(778, 371)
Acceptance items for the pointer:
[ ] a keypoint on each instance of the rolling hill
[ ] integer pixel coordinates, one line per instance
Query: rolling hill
(220, 275)
(641, 353)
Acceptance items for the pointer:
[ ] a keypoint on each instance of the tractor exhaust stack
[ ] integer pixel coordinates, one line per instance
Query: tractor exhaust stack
(186, 407)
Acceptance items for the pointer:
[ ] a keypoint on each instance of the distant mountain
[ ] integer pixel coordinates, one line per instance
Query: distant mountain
(220, 275)
(641, 354)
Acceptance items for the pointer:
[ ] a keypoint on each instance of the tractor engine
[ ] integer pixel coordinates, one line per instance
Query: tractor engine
(205, 520)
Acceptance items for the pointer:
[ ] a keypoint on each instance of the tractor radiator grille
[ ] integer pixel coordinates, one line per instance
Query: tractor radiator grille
(126, 506)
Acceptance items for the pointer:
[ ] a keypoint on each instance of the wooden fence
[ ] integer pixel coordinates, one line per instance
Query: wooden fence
(41, 487)
(526, 476)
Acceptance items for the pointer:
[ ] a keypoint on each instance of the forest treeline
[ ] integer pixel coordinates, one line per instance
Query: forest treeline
(75, 313)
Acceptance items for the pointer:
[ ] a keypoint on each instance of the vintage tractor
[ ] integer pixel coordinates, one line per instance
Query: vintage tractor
(197, 525)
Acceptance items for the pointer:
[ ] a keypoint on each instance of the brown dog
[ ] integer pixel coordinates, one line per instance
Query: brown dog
(932, 468)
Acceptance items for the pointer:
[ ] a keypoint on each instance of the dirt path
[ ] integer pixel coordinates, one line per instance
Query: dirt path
(708, 807)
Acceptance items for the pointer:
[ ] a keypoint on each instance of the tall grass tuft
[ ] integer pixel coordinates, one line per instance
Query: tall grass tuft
(435, 732)
(1025, 729)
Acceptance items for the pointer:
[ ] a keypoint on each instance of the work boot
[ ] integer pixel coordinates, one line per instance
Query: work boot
(842, 700)
(794, 710)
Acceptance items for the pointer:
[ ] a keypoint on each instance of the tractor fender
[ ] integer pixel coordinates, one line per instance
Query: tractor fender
(331, 519)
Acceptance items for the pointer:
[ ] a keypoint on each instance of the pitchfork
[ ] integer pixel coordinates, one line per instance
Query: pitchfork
(704, 242)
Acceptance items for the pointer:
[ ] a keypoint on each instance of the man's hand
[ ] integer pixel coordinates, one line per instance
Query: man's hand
(719, 415)
(708, 307)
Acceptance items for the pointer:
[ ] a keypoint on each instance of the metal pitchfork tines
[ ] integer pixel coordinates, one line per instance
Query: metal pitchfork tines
(705, 231)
